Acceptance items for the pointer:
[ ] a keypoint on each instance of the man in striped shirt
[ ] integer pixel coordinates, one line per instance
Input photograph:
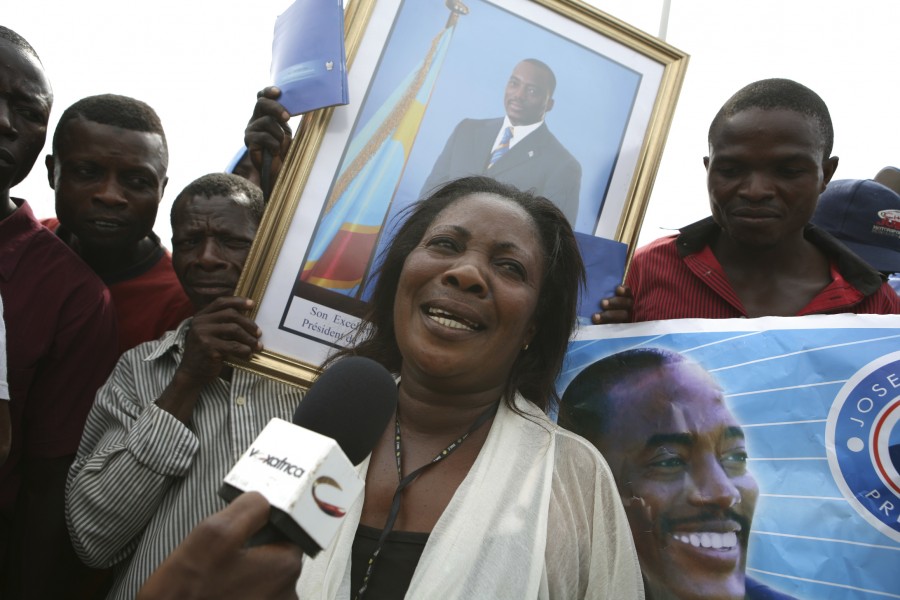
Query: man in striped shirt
(173, 417)
(757, 255)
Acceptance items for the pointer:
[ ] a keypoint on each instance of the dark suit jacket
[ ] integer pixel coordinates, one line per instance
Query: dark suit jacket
(754, 590)
(538, 163)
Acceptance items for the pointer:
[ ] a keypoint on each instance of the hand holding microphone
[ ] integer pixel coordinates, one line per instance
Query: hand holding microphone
(304, 469)
(351, 403)
(213, 562)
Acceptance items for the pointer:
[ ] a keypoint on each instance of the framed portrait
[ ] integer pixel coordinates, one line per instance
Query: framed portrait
(433, 86)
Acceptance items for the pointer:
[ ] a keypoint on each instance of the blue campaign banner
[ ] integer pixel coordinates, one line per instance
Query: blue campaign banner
(756, 457)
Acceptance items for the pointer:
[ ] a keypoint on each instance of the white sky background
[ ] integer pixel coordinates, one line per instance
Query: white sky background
(199, 63)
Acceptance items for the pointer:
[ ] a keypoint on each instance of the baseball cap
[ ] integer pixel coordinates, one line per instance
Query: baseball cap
(889, 177)
(865, 216)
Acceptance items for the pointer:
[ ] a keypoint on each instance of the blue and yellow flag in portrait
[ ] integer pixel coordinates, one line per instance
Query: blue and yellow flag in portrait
(342, 247)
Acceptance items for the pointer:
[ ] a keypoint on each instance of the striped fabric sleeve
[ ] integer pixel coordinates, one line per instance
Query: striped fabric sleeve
(161, 442)
(667, 286)
(130, 454)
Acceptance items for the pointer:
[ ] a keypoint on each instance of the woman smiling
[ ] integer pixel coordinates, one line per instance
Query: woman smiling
(472, 492)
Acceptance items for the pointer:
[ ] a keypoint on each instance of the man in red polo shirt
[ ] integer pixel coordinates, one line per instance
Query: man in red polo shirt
(108, 169)
(757, 255)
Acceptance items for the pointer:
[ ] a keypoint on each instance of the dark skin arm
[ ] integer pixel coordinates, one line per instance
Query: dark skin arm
(219, 331)
(616, 309)
(268, 129)
(212, 562)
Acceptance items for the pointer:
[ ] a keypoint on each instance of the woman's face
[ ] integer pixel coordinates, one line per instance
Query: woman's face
(467, 295)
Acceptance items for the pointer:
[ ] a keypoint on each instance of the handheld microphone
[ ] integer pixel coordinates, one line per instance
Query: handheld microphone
(304, 468)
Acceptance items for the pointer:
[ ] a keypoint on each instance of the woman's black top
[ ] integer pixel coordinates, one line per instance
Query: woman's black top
(396, 563)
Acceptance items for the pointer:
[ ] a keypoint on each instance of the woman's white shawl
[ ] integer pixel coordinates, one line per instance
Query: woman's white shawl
(538, 516)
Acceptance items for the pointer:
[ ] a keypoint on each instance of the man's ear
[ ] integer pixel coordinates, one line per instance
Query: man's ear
(706, 163)
(51, 168)
(549, 105)
(829, 166)
(165, 182)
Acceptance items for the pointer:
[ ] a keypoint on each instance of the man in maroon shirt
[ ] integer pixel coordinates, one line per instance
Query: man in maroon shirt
(757, 255)
(108, 169)
(61, 342)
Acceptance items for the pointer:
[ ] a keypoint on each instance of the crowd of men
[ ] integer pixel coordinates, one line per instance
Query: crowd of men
(121, 416)
(96, 283)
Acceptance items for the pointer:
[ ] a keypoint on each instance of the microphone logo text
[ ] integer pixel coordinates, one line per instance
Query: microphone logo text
(281, 464)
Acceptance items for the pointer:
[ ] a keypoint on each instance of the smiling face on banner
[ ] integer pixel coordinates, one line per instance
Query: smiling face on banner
(818, 399)
(680, 463)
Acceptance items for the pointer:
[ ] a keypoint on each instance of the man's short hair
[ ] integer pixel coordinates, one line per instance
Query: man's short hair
(772, 94)
(116, 111)
(546, 67)
(243, 192)
(585, 407)
(18, 41)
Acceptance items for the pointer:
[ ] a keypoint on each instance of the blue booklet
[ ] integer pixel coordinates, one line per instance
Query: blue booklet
(604, 264)
(308, 61)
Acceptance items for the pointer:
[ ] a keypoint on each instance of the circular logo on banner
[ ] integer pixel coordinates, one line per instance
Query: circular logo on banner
(862, 438)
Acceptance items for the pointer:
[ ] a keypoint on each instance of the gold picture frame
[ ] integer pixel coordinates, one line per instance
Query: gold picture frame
(416, 68)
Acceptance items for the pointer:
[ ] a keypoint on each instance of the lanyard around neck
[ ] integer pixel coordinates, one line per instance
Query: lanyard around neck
(406, 481)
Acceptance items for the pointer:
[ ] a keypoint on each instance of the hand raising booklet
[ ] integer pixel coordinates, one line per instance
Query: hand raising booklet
(308, 61)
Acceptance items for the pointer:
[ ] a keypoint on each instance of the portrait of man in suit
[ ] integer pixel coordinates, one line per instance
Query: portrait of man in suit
(518, 148)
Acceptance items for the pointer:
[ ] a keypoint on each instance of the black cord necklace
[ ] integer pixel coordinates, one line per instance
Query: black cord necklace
(405, 481)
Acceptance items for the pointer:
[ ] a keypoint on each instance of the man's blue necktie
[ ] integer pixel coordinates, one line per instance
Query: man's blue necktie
(502, 148)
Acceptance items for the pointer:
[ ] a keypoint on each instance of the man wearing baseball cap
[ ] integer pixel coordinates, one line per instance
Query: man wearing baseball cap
(865, 216)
